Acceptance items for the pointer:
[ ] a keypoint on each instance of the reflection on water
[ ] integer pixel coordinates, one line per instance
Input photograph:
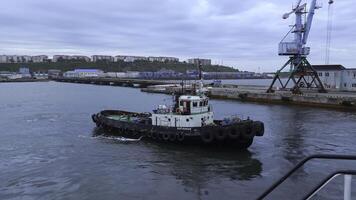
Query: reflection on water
(196, 166)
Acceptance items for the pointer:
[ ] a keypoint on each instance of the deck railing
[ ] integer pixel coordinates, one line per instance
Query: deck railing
(347, 174)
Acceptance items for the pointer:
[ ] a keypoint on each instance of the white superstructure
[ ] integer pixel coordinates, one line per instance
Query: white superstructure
(192, 111)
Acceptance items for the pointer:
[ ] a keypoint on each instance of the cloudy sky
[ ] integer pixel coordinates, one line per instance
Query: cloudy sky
(239, 33)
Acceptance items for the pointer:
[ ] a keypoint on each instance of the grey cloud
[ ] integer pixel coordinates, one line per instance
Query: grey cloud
(241, 33)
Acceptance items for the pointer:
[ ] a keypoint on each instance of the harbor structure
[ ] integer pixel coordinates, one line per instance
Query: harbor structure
(84, 73)
(54, 73)
(24, 70)
(302, 75)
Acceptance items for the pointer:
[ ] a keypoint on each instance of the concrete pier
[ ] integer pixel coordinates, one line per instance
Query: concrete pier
(332, 99)
(142, 83)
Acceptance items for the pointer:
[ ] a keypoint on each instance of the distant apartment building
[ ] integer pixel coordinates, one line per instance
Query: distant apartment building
(22, 59)
(39, 58)
(3, 59)
(59, 58)
(196, 61)
(163, 59)
(81, 58)
(129, 58)
(16, 59)
(96, 58)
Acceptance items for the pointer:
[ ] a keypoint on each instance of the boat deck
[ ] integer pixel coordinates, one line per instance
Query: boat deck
(125, 118)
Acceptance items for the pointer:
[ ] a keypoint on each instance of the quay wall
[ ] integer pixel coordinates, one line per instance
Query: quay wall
(333, 100)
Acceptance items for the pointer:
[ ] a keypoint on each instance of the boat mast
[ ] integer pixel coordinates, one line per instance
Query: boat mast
(200, 91)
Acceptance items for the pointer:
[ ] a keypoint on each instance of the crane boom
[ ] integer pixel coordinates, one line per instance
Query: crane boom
(309, 21)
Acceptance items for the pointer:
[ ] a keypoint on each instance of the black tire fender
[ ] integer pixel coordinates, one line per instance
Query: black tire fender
(154, 136)
(165, 136)
(247, 131)
(234, 133)
(261, 129)
(220, 134)
(207, 137)
(180, 137)
(94, 118)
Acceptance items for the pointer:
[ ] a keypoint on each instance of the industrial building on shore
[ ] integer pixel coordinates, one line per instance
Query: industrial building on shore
(337, 77)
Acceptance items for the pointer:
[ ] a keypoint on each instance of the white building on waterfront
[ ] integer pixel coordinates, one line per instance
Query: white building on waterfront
(337, 77)
(84, 73)
(196, 61)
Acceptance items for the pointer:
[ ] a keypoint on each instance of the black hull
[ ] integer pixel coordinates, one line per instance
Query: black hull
(238, 134)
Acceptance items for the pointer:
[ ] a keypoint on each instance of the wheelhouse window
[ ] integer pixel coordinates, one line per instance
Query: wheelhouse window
(201, 104)
(181, 103)
(327, 74)
(195, 104)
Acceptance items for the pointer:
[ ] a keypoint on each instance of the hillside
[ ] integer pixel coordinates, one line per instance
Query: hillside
(113, 67)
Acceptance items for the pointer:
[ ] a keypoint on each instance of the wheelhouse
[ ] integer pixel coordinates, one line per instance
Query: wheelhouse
(193, 105)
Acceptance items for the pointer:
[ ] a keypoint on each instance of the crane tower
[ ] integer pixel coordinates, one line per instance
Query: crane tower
(302, 74)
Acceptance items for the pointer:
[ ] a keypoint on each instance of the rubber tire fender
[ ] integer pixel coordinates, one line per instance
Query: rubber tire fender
(94, 118)
(165, 136)
(155, 136)
(247, 131)
(234, 133)
(180, 137)
(207, 137)
(220, 134)
(261, 129)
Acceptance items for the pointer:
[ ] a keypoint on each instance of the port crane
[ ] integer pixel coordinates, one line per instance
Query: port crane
(302, 74)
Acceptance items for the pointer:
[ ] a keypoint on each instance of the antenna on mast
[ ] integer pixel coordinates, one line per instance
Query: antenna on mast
(328, 32)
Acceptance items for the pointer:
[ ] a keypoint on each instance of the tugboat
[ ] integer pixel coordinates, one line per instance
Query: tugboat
(189, 121)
